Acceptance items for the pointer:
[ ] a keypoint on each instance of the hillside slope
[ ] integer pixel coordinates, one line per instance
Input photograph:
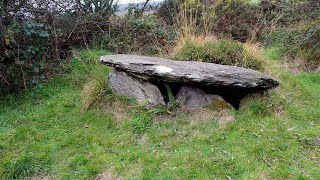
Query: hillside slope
(73, 128)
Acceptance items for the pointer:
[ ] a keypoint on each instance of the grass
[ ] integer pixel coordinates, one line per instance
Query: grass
(59, 133)
(219, 51)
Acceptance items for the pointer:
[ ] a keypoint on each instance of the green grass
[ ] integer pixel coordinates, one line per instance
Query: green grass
(48, 132)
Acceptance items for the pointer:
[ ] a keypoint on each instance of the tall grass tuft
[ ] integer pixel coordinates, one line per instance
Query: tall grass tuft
(220, 51)
(141, 122)
(88, 69)
(195, 17)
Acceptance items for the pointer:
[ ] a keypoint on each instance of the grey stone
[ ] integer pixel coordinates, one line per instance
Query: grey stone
(144, 92)
(190, 72)
(217, 102)
(193, 97)
(317, 142)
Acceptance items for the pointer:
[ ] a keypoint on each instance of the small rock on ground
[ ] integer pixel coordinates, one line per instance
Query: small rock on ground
(317, 141)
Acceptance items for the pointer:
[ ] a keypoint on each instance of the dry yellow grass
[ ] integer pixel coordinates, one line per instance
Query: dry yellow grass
(209, 48)
(89, 94)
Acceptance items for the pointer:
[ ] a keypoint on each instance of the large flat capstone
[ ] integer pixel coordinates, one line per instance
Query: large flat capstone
(190, 72)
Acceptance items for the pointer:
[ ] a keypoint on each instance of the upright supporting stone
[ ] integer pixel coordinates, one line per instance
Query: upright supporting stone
(193, 97)
(144, 92)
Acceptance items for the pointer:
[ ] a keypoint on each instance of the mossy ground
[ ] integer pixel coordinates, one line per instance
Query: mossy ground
(49, 133)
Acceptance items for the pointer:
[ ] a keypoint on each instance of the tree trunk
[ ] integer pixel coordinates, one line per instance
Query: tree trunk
(144, 7)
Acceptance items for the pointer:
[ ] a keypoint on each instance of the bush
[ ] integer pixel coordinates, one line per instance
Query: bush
(301, 42)
(237, 19)
(26, 51)
(36, 40)
(227, 52)
(137, 34)
(192, 51)
(311, 44)
(241, 20)
(220, 51)
(33, 48)
(168, 11)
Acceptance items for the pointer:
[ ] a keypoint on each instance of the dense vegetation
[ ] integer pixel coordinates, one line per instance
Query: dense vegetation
(37, 37)
(60, 120)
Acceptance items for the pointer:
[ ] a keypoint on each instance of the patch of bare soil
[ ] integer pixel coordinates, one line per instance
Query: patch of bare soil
(200, 114)
(278, 110)
(107, 175)
(224, 117)
(296, 65)
(117, 110)
(42, 176)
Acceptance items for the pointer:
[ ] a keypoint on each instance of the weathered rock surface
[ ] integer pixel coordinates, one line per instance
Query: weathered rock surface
(317, 142)
(143, 91)
(193, 97)
(217, 102)
(189, 72)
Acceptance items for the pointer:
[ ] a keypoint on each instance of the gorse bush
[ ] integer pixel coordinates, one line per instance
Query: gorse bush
(220, 51)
